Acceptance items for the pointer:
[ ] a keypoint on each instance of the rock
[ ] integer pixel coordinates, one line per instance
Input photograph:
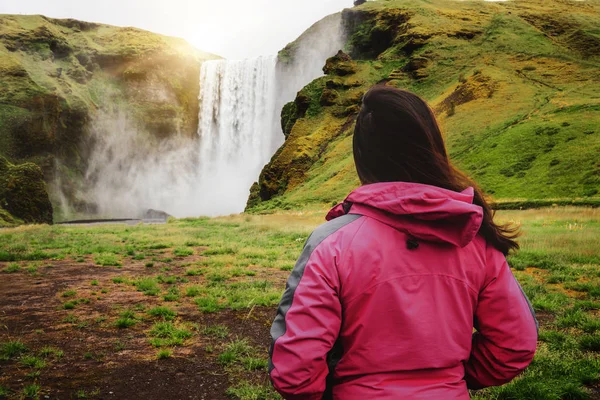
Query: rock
(329, 97)
(156, 214)
(354, 98)
(254, 198)
(289, 116)
(302, 103)
(340, 83)
(345, 112)
(417, 67)
(416, 63)
(341, 64)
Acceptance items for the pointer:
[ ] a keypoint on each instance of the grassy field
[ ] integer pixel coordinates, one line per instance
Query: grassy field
(183, 310)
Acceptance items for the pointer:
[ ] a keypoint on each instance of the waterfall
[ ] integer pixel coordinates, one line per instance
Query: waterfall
(238, 130)
(129, 171)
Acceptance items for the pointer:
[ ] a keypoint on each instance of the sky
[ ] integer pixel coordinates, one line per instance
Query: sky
(233, 29)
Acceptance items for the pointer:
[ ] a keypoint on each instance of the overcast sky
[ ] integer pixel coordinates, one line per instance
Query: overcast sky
(230, 28)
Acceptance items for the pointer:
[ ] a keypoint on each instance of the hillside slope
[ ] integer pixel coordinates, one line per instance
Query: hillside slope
(57, 76)
(514, 84)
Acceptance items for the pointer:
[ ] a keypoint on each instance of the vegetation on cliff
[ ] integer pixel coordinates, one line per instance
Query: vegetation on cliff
(57, 75)
(514, 86)
(23, 195)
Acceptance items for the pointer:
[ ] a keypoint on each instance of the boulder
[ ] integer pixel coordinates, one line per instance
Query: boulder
(417, 66)
(156, 214)
(329, 97)
(341, 65)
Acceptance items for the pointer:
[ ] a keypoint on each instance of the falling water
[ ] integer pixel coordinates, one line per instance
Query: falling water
(238, 130)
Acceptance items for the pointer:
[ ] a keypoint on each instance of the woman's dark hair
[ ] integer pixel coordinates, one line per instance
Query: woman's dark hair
(397, 138)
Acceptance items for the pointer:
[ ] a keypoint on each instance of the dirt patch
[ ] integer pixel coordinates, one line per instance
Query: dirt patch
(544, 318)
(190, 376)
(102, 361)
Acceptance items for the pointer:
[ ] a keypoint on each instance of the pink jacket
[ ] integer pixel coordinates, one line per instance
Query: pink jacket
(385, 297)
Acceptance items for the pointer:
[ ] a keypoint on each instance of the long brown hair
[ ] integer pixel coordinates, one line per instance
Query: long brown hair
(397, 138)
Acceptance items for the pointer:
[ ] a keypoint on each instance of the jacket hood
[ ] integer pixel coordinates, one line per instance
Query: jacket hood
(424, 212)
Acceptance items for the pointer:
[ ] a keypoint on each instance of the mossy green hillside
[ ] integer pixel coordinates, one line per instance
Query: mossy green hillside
(57, 76)
(514, 86)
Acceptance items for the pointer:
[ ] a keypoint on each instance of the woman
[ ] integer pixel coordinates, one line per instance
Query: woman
(384, 298)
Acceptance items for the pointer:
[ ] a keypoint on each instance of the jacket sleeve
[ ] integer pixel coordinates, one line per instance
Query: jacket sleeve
(306, 326)
(506, 337)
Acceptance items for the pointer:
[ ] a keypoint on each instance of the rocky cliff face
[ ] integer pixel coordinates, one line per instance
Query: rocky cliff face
(57, 75)
(514, 86)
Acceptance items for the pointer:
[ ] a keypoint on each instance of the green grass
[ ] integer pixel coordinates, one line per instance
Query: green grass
(235, 351)
(51, 352)
(165, 313)
(107, 260)
(71, 319)
(70, 305)
(12, 268)
(126, 319)
(4, 392)
(163, 354)
(193, 291)
(148, 286)
(11, 349)
(172, 294)
(247, 391)
(168, 334)
(217, 331)
(194, 272)
(32, 391)
(183, 252)
(237, 295)
(33, 362)
(254, 363)
(119, 279)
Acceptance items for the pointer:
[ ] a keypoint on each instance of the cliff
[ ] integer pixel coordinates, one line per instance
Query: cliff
(514, 86)
(57, 75)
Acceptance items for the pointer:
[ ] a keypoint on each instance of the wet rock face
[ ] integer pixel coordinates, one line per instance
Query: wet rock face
(23, 192)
